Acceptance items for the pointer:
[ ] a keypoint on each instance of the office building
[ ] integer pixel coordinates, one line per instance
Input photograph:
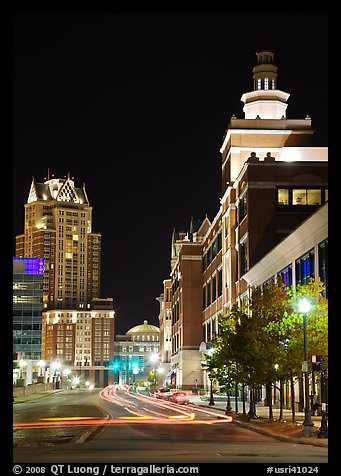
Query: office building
(81, 342)
(137, 354)
(58, 228)
(27, 307)
(273, 179)
(165, 323)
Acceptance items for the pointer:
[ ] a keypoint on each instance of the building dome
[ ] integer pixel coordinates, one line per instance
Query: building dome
(144, 328)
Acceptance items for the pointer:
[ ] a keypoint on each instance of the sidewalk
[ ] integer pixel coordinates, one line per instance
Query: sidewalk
(285, 430)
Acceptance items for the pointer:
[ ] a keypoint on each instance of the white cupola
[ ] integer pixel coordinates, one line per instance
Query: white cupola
(265, 101)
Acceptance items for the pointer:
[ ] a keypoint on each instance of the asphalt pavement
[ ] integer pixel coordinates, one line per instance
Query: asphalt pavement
(220, 404)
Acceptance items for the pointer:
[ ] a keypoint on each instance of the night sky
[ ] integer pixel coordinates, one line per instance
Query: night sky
(135, 105)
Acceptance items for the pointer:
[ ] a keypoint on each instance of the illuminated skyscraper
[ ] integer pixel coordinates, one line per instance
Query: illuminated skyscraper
(58, 228)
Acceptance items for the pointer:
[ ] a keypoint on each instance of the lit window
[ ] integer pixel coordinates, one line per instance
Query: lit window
(266, 84)
(259, 84)
(314, 197)
(283, 196)
(299, 197)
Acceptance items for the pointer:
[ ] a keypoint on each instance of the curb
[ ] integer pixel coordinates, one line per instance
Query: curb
(288, 439)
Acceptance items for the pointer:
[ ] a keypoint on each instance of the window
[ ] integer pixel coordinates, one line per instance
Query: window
(237, 265)
(301, 196)
(208, 293)
(226, 226)
(242, 208)
(220, 281)
(323, 265)
(214, 249)
(283, 196)
(305, 268)
(209, 256)
(286, 276)
(313, 197)
(219, 241)
(243, 257)
(266, 83)
(204, 296)
(306, 197)
(214, 288)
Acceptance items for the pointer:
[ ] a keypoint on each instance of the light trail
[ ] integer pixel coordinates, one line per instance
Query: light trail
(144, 415)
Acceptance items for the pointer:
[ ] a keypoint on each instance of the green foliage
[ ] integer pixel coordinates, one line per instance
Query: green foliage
(266, 343)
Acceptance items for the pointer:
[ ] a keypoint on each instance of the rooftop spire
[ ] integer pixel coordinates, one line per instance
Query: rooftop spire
(265, 101)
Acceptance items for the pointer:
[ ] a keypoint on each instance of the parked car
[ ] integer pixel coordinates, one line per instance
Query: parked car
(179, 397)
(163, 393)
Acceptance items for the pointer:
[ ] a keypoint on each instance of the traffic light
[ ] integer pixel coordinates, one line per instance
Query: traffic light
(317, 362)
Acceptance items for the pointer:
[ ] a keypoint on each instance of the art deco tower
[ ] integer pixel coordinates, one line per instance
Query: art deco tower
(58, 228)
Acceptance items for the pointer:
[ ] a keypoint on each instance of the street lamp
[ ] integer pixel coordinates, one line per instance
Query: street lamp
(304, 307)
(116, 368)
(22, 365)
(56, 365)
(154, 358)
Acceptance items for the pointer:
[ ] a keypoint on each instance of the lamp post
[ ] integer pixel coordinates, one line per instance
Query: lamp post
(56, 365)
(154, 358)
(323, 431)
(66, 374)
(304, 307)
(211, 402)
(22, 365)
(116, 368)
(211, 351)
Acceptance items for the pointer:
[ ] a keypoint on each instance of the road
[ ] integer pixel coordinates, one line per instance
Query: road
(115, 425)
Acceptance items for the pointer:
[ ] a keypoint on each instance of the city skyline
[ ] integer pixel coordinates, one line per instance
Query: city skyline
(140, 119)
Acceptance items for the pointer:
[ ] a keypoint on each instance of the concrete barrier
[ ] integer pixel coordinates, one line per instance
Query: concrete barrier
(30, 389)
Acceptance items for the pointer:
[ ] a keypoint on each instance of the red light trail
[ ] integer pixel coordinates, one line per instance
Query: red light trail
(136, 413)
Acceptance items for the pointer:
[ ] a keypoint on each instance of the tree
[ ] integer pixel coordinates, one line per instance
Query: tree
(265, 345)
(288, 332)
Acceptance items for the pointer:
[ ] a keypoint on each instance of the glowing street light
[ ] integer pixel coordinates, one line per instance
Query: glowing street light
(116, 368)
(304, 307)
